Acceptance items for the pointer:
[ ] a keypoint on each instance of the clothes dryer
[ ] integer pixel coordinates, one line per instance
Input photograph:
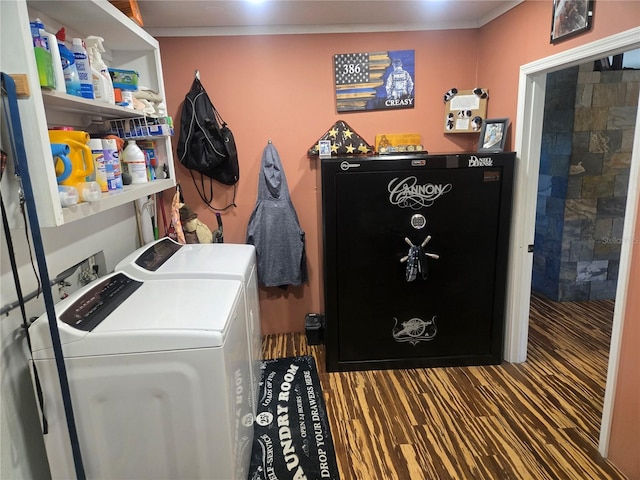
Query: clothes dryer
(157, 376)
(167, 259)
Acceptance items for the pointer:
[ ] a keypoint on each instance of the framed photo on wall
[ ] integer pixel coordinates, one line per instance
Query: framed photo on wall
(570, 17)
(493, 135)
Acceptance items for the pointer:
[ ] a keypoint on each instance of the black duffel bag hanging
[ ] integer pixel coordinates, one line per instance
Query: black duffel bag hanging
(206, 144)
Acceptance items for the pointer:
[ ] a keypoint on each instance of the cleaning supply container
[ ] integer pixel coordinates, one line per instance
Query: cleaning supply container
(69, 70)
(102, 83)
(112, 165)
(56, 60)
(83, 67)
(42, 53)
(79, 155)
(61, 161)
(135, 159)
(95, 144)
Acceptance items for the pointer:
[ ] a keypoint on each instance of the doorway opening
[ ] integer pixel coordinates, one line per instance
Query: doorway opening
(585, 160)
(587, 140)
(528, 139)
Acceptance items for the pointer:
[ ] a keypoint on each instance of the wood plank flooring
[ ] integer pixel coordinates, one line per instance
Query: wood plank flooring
(536, 420)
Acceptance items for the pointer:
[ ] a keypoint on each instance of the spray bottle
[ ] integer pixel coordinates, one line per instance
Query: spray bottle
(84, 69)
(102, 84)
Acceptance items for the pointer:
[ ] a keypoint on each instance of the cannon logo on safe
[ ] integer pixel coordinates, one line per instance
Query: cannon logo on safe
(408, 193)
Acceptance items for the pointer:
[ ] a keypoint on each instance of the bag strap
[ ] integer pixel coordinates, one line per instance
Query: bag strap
(208, 198)
(219, 121)
(10, 103)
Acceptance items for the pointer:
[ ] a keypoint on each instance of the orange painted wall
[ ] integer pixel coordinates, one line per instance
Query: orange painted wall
(625, 429)
(527, 28)
(522, 36)
(281, 88)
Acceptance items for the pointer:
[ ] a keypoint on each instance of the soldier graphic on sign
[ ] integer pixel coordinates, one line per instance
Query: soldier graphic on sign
(399, 82)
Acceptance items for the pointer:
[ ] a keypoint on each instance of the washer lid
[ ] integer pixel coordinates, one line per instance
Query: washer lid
(166, 258)
(159, 315)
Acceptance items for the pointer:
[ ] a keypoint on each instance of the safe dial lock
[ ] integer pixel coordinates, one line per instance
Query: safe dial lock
(418, 221)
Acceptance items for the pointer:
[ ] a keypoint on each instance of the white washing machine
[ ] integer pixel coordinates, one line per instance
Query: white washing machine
(158, 379)
(168, 259)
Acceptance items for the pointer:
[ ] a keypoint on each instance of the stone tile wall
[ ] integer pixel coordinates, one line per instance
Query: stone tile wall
(583, 182)
(553, 184)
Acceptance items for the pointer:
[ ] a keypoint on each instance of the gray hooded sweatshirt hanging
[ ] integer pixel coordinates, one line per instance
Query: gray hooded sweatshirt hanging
(274, 228)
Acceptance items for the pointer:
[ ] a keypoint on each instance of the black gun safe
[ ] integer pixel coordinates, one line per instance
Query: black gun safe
(415, 254)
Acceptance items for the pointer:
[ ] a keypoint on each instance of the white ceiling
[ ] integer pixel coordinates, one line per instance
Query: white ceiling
(242, 17)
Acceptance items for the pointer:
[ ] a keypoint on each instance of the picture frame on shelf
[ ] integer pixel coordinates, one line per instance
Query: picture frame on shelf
(570, 17)
(493, 135)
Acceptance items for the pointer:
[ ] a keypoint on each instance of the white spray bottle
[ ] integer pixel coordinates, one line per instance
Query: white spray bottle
(102, 84)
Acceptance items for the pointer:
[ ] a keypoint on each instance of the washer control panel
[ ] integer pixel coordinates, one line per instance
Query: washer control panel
(97, 303)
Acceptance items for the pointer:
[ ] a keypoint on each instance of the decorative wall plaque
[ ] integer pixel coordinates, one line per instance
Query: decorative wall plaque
(375, 80)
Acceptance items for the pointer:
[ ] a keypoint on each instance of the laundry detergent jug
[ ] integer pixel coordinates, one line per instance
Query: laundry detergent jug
(79, 156)
(60, 152)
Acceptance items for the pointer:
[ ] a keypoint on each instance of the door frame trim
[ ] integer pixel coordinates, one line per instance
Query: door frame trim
(528, 138)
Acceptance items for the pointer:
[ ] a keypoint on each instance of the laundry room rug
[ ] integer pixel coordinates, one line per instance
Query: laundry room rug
(292, 439)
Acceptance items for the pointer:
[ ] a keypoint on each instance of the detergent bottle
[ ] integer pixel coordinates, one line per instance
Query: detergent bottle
(61, 86)
(52, 46)
(79, 155)
(102, 83)
(69, 70)
(42, 52)
(60, 152)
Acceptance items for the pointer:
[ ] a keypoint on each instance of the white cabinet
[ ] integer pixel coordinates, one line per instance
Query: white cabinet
(128, 47)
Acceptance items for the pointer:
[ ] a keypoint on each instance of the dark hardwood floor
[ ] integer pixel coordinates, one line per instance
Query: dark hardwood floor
(536, 420)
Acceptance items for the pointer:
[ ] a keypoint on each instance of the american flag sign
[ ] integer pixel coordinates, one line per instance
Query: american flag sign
(352, 68)
(374, 80)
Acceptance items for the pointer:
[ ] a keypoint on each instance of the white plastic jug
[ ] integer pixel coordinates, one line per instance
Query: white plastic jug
(135, 160)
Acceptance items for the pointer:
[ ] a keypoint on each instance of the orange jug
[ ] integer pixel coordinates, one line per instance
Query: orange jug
(80, 155)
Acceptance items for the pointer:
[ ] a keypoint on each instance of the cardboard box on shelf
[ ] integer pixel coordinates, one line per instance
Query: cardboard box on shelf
(130, 8)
